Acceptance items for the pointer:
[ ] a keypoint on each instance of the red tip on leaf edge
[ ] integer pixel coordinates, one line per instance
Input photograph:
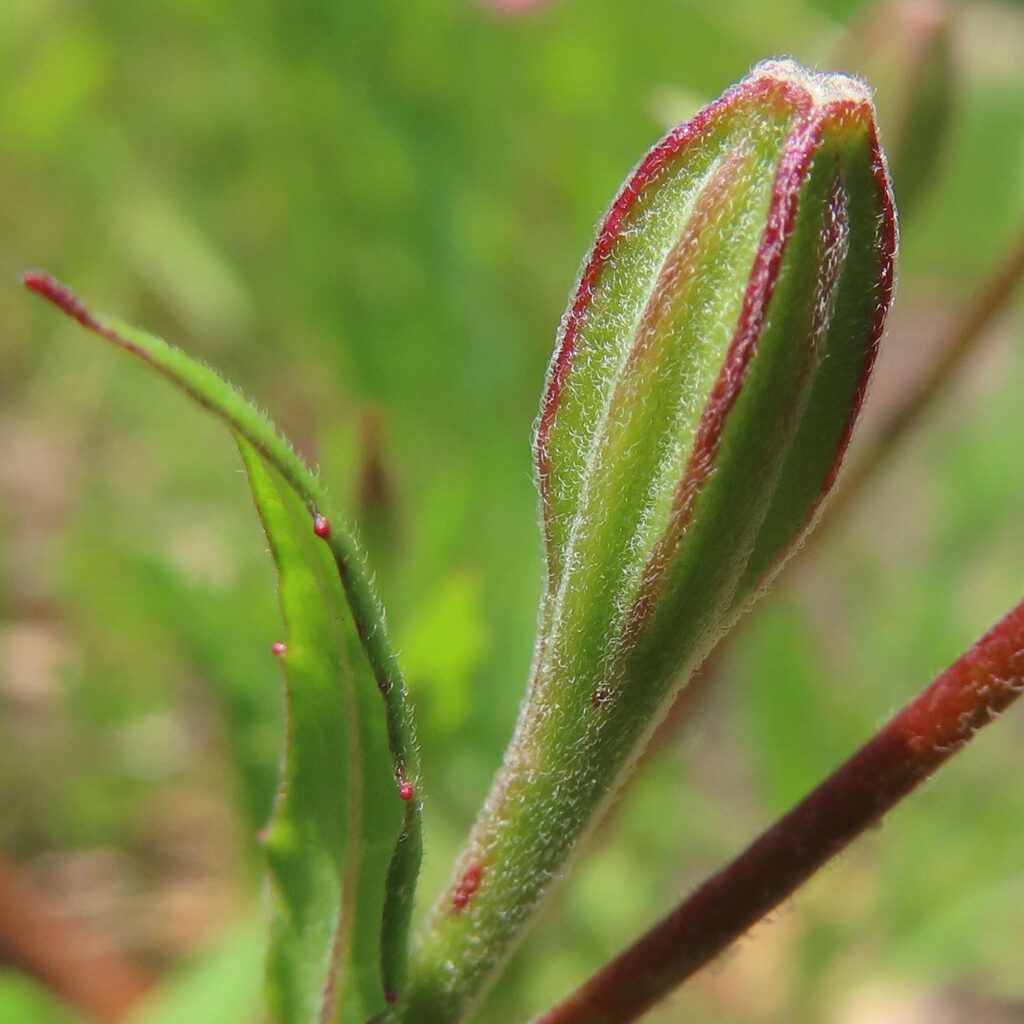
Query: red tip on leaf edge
(53, 291)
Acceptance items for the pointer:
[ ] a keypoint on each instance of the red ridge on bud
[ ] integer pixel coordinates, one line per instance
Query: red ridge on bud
(798, 156)
(887, 281)
(888, 246)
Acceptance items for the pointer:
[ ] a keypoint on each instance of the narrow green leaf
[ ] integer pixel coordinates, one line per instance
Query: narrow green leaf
(336, 814)
(361, 767)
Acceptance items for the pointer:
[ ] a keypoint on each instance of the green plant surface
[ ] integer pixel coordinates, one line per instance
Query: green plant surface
(342, 854)
(343, 205)
(220, 986)
(705, 378)
(329, 841)
(23, 999)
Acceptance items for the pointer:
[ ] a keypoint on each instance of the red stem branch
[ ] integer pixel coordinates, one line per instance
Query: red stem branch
(924, 734)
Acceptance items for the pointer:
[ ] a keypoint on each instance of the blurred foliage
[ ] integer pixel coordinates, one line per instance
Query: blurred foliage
(344, 205)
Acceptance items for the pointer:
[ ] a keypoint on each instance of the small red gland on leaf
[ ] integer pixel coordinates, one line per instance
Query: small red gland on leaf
(278, 649)
(321, 527)
(390, 996)
(406, 790)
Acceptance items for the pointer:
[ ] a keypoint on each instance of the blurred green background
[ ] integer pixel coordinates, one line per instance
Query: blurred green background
(369, 215)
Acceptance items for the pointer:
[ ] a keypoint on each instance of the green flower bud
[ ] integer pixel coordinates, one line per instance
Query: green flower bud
(706, 378)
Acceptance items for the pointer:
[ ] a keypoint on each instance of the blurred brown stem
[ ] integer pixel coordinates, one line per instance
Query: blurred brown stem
(923, 735)
(70, 960)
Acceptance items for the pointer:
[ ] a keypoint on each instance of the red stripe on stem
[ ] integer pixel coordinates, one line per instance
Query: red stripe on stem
(929, 730)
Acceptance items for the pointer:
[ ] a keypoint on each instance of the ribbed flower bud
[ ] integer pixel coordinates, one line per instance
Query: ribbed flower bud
(705, 381)
(709, 370)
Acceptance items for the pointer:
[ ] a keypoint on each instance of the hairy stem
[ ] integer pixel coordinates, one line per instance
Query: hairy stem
(923, 735)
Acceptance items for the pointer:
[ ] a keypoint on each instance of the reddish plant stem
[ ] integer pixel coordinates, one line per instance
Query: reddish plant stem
(924, 734)
(68, 958)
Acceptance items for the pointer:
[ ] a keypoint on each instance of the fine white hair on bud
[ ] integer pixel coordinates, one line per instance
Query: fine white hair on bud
(706, 376)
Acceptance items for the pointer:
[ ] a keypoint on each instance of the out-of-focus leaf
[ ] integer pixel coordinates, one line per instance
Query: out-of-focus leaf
(779, 698)
(65, 74)
(180, 263)
(25, 1002)
(903, 48)
(220, 987)
(443, 646)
